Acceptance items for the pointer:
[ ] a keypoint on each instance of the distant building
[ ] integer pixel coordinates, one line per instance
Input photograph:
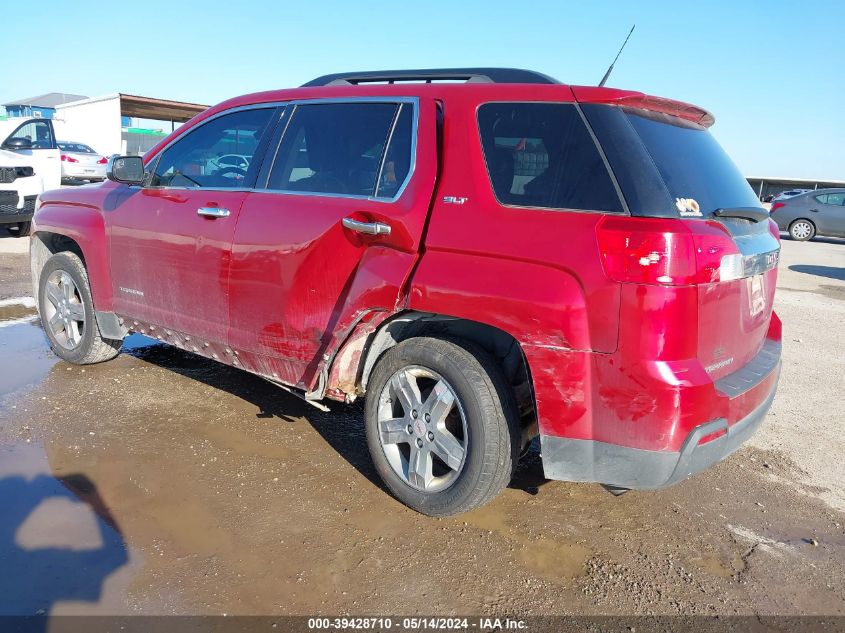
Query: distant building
(120, 123)
(42, 106)
(765, 187)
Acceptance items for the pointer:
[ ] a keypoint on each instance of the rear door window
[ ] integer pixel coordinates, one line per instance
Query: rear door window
(542, 155)
(399, 155)
(666, 166)
(835, 199)
(341, 149)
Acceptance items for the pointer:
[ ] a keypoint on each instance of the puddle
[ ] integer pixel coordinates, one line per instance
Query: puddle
(17, 310)
(61, 550)
(25, 355)
(715, 566)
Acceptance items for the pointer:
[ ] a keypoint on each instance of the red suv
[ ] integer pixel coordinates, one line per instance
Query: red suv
(486, 254)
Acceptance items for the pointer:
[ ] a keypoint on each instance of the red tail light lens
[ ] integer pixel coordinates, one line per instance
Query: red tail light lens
(103, 161)
(774, 230)
(667, 251)
(69, 159)
(776, 206)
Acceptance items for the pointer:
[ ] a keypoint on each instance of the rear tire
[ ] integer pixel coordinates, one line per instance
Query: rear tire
(802, 230)
(462, 420)
(67, 312)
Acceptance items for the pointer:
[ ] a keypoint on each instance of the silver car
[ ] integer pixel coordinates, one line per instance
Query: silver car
(80, 162)
(819, 212)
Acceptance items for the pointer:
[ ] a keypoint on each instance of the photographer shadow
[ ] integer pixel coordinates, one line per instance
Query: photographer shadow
(35, 574)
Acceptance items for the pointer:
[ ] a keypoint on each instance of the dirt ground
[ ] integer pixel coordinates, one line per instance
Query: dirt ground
(162, 483)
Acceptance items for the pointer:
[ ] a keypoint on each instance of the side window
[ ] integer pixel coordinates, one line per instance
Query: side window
(215, 154)
(542, 155)
(336, 148)
(835, 199)
(397, 159)
(39, 133)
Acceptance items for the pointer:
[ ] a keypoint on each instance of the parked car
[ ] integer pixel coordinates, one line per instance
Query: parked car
(819, 212)
(483, 261)
(29, 164)
(80, 162)
(783, 195)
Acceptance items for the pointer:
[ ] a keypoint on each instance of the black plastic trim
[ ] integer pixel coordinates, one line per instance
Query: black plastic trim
(110, 325)
(753, 372)
(12, 218)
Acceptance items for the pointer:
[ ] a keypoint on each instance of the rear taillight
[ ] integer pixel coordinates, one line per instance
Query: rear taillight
(666, 251)
(103, 161)
(776, 206)
(69, 159)
(774, 230)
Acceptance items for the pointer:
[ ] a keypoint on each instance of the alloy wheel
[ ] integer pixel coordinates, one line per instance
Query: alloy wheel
(64, 310)
(422, 428)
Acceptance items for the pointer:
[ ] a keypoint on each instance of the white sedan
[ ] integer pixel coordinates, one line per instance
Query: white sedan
(80, 162)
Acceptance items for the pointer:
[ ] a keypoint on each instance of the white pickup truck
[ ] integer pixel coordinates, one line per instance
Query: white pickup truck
(29, 164)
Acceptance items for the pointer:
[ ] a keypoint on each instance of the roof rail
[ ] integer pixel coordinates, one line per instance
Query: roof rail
(470, 75)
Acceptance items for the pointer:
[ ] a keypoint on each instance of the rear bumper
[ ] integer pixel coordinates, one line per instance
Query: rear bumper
(83, 172)
(570, 459)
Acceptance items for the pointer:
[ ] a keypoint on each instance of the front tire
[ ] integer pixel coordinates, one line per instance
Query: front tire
(802, 230)
(21, 229)
(67, 312)
(442, 426)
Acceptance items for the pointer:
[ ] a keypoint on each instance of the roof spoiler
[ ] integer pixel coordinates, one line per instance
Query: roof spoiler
(631, 99)
(429, 75)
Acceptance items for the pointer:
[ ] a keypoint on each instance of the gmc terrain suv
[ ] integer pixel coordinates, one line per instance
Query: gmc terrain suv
(486, 254)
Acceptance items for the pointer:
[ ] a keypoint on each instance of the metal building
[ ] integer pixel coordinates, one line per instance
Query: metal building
(765, 187)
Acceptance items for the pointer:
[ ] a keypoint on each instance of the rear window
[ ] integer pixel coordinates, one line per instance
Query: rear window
(694, 176)
(542, 155)
(79, 148)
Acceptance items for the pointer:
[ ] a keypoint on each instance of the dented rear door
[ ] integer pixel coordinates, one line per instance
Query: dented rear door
(332, 231)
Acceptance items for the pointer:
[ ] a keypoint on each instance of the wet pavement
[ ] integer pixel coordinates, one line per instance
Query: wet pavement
(163, 483)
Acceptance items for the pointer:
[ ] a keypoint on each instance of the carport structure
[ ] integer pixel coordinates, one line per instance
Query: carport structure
(159, 109)
(766, 186)
(104, 122)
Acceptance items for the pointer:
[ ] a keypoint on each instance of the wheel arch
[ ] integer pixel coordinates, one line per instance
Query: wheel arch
(354, 363)
(46, 243)
(81, 230)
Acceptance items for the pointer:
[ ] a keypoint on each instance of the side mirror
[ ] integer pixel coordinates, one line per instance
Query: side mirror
(126, 169)
(17, 142)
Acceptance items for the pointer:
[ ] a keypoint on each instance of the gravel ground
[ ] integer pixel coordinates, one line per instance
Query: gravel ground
(806, 420)
(213, 492)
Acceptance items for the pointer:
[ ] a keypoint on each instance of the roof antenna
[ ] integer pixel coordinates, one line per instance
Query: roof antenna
(610, 69)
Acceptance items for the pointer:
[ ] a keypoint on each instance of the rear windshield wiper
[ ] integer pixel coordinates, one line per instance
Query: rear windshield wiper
(749, 213)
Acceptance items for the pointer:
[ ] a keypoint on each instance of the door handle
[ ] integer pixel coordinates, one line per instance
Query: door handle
(370, 228)
(814, 210)
(213, 212)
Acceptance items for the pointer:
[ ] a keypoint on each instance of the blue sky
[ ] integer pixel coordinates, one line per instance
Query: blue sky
(771, 72)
